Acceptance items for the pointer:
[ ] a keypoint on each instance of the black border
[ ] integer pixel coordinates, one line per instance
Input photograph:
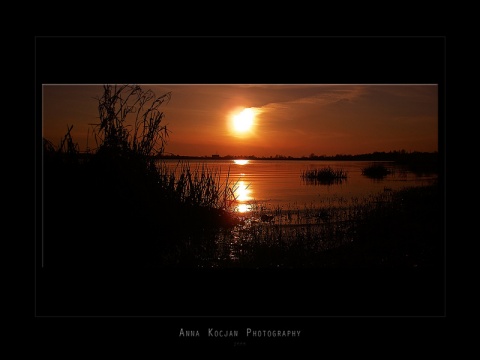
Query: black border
(334, 294)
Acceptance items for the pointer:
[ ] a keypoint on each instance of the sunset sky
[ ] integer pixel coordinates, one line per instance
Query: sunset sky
(290, 120)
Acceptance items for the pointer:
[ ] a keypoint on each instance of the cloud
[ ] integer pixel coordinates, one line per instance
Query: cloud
(321, 97)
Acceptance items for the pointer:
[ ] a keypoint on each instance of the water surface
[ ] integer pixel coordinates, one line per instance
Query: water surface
(278, 184)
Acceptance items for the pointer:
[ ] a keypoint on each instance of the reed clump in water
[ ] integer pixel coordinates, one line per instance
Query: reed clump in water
(376, 171)
(325, 175)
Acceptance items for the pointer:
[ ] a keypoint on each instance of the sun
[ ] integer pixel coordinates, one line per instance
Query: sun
(243, 121)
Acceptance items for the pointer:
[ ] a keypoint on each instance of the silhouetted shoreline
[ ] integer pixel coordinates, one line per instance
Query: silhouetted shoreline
(401, 156)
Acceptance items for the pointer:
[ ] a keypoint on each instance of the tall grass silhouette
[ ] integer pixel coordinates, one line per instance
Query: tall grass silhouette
(117, 205)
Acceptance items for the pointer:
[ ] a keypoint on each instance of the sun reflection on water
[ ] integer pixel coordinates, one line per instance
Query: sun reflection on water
(241, 162)
(242, 192)
(243, 195)
(243, 208)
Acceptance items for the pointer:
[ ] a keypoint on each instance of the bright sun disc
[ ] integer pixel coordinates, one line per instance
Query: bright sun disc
(243, 121)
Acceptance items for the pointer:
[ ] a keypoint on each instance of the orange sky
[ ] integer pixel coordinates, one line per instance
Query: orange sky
(291, 120)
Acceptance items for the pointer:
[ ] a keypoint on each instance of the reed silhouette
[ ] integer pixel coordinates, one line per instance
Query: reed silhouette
(376, 171)
(324, 176)
(393, 229)
(115, 205)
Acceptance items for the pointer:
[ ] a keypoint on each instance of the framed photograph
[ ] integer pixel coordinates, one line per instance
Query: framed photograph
(240, 191)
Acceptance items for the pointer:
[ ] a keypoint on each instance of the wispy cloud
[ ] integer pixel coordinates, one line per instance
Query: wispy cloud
(320, 98)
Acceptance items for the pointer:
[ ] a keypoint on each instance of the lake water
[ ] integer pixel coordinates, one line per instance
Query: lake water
(278, 184)
(282, 218)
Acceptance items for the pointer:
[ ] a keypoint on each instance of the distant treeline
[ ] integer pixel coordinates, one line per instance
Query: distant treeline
(397, 156)
(415, 161)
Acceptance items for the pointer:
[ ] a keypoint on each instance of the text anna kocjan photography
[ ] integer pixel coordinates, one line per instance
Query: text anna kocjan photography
(239, 333)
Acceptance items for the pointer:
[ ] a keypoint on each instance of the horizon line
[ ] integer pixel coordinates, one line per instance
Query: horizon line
(306, 156)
